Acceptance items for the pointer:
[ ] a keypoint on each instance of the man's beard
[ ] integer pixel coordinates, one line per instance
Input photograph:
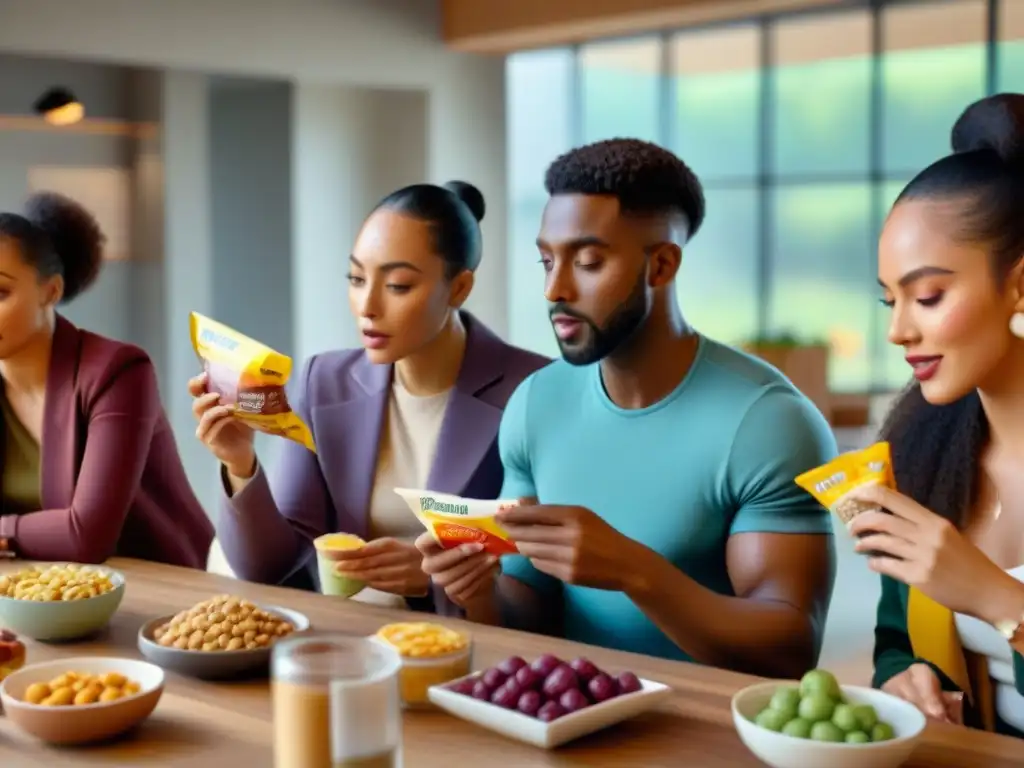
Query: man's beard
(621, 326)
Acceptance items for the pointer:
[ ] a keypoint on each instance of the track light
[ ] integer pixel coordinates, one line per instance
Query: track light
(58, 106)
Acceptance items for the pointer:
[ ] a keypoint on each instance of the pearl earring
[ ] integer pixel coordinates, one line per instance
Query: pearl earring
(1017, 324)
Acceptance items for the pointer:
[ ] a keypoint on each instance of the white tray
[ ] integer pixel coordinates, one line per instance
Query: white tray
(516, 725)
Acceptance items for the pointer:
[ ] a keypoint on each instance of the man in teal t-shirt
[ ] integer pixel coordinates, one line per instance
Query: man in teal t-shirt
(656, 465)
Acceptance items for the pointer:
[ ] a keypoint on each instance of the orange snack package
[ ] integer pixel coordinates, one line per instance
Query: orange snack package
(832, 483)
(454, 520)
(250, 376)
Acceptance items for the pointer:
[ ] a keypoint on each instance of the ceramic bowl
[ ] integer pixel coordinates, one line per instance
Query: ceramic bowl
(213, 665)
(84, 723)
(62, 620)
(781, 751)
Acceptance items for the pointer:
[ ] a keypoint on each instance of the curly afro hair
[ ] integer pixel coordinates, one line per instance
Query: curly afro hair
(645, 178)
(72, 237)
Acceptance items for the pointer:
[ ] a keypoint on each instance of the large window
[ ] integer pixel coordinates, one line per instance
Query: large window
(1010, 63)
(539, 91)
(716, 82)
(619, 90)
(803, 128)
(933, 67)
(821, 89)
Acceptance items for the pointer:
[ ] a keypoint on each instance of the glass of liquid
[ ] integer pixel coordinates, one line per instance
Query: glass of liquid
(336, 703)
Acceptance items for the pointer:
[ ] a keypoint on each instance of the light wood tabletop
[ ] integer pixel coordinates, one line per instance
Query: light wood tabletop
(223, 724)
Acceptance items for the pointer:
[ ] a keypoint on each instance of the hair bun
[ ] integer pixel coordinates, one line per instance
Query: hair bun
(994, 123)
(74, 235)
(470, 195)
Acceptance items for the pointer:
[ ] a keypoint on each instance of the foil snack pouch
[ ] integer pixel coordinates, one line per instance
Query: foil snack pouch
(454, 520)
(831, 484)
(250, 376)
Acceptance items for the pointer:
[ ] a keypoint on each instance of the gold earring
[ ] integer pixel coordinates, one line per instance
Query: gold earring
(1017, 324)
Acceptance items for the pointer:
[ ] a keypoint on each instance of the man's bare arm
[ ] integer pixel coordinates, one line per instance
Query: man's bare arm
(772, 627)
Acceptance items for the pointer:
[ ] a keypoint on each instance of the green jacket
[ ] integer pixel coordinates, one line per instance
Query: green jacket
(912, 629)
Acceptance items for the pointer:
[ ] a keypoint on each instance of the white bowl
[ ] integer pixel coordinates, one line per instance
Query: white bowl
(781, 751)
(516, 725)
(88, 722)
(57, 620)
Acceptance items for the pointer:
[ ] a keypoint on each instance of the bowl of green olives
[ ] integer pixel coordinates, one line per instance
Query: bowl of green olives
(815, 722)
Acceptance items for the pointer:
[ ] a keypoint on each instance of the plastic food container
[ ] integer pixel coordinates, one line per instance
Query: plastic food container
(420, 667)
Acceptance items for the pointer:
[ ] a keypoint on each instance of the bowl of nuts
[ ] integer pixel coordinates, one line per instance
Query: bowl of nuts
(77, 701)
(62, 601)
(222, 637)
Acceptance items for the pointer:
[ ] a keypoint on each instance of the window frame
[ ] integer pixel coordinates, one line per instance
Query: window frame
(765, 178)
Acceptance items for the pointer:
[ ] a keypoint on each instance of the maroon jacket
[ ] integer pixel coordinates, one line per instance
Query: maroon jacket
(112, 482)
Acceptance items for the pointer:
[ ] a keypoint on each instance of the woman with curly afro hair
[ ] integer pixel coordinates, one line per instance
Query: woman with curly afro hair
(88, 464)
(950, 628)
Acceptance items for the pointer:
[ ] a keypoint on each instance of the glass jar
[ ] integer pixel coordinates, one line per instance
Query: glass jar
(336, 703)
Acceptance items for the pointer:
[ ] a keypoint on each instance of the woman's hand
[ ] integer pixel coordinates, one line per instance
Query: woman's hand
(388, 565)
(230, 440)
(466, 573)
(928, 552)
(919, 685)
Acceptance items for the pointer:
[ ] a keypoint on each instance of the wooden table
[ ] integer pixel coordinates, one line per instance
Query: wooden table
(221, 725)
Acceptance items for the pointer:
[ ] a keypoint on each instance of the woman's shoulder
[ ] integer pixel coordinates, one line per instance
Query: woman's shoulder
(101, 356)
(515, 362)
(523, 362)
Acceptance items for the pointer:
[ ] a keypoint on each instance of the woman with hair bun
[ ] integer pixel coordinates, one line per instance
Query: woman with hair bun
(418, 407)
(950, 628)
(89, 465)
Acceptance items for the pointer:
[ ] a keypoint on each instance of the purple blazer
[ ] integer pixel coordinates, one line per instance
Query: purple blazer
(267, 530)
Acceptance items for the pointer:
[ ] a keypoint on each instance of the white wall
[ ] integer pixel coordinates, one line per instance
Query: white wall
(384, 43)
(368, 43)
(377, 102)
(251, 218)
(341, 170)
(22, 81)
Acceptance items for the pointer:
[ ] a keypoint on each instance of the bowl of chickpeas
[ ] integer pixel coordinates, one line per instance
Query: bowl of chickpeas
(78, 701)
(59, 601)
(222, 637)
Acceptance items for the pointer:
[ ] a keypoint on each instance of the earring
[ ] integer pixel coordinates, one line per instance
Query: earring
(1017, 324)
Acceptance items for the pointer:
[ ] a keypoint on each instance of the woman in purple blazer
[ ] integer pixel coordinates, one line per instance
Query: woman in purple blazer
(418, 406)
(89, 464)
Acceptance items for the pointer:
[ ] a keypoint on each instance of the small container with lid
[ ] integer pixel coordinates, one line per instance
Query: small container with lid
(431, 654)
(336, 703)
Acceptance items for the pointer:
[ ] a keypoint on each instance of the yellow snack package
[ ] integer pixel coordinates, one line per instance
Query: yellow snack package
(454, 520)
(250, 376)
(832, 483)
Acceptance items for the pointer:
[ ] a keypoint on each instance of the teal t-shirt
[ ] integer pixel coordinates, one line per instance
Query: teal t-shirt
(716, 457)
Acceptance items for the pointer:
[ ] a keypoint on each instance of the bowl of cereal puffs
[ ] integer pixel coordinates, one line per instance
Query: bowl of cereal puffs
(62, 601)
(222, 637)
(77, 701)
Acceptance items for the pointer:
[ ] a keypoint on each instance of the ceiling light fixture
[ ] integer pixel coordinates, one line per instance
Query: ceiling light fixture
(58, 106)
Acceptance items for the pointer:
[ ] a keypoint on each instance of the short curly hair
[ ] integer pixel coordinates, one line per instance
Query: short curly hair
(58, 236)
(645, 178)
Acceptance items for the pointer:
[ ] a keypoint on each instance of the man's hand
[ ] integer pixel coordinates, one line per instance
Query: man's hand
(388, 565)
(573, 544)
(466, 573)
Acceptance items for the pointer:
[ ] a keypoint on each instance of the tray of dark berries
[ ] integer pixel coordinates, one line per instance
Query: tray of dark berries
(548, 702)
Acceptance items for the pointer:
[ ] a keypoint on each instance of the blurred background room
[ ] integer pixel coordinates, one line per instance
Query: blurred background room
(231, 148)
